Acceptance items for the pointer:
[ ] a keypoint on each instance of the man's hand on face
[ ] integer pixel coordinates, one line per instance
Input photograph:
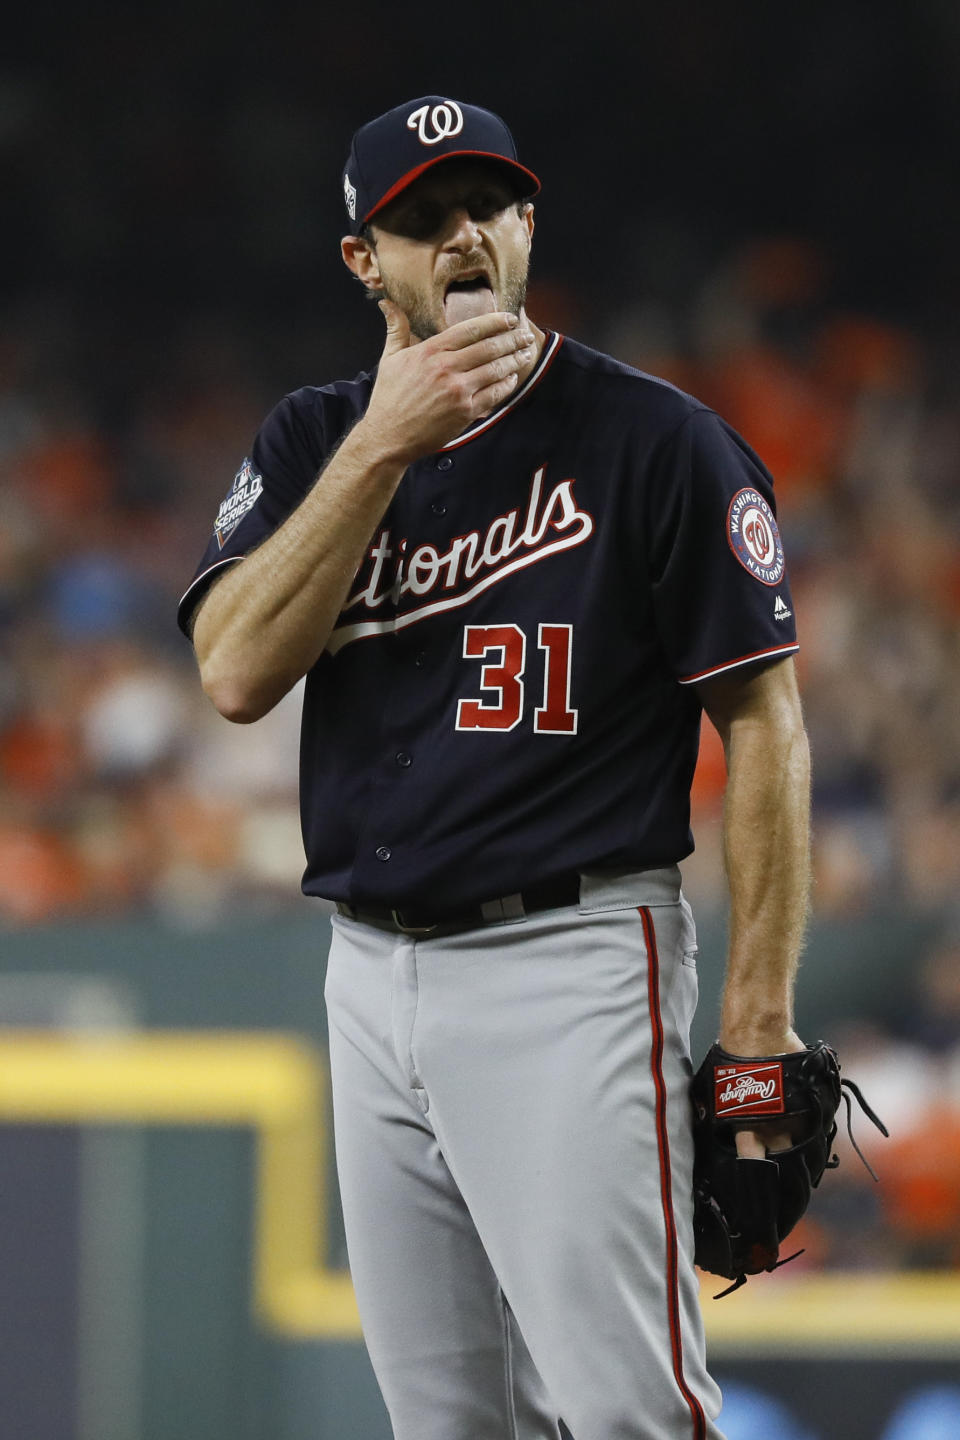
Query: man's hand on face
(428, 391)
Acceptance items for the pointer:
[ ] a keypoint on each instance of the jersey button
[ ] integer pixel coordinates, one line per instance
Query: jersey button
(420, 659)
(383, 852)
(404, 759)
(438, 507)
(445, 463)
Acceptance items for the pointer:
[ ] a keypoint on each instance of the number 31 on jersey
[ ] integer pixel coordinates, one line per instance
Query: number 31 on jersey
(502, 649)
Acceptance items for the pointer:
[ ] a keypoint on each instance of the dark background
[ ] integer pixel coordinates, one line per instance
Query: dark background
(164, 170)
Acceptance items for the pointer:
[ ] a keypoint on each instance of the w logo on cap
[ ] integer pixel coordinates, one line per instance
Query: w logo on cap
(444, 120)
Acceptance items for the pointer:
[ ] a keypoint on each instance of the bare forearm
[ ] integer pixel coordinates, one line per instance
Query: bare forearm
(266, 622)
(766, 849)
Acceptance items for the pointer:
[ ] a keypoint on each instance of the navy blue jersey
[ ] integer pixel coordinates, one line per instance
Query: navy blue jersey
(508, 693)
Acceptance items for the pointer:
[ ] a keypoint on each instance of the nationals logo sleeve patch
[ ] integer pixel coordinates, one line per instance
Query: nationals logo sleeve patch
(754, 537)
(744, 1091)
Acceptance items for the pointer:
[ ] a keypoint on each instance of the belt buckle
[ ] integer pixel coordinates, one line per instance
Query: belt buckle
(398, 920)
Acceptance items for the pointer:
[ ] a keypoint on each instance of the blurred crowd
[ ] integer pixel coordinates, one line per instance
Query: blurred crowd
(122, 790)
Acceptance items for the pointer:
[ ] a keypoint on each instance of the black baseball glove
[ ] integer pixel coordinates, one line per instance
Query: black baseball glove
(744, 1209)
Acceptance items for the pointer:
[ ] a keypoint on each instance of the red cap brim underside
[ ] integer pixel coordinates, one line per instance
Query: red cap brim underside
(411, 175)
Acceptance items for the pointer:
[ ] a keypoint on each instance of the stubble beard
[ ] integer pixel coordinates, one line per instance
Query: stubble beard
(423, 323)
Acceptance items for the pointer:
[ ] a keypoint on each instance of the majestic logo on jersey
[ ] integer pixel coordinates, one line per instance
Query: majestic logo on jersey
(444, 120)
(754, 537)
(473, 562)
(742, 1090)
(245, 491)
(350, 195)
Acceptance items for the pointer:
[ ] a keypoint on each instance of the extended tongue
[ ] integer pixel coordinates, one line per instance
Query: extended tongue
(466, 304)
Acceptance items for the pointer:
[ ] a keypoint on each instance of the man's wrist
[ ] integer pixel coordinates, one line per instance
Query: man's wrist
(758, 1037)
(377, 451)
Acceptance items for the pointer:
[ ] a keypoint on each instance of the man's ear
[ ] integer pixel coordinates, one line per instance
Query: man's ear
(360, 258)
(526, 215)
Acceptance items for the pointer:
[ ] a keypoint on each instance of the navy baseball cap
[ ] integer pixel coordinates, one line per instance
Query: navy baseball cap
(389, 153)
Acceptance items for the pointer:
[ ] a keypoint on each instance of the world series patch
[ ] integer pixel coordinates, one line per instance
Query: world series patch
(244, 493)
(744, 1091)
(754, 537)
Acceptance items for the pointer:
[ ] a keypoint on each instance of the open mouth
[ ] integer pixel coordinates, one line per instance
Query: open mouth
(473, 282)
(466, 297)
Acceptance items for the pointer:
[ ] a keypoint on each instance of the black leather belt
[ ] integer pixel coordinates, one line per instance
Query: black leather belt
(412, 920)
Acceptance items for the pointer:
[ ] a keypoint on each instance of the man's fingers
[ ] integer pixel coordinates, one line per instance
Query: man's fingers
(508, 345)
(758, 1144)
(779, 1140)
(475, 342)
(750, 1146)
(493, 395)
(477, 328)
(500, 368)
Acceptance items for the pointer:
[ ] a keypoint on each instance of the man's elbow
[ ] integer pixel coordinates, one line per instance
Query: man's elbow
(234, 703)
(237, 699)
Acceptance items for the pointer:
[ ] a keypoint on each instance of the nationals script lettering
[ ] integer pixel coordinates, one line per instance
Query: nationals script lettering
(550, 523)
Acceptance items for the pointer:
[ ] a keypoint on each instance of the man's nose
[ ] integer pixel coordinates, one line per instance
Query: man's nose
(463, 232)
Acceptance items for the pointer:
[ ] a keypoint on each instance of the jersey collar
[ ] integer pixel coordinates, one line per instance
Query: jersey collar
(479, 427)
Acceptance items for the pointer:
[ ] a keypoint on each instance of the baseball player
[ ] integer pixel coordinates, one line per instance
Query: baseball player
(514, 571)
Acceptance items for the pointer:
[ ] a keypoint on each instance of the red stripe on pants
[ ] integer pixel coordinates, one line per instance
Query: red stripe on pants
(666, 1184)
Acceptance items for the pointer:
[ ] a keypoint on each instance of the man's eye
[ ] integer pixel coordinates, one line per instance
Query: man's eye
(424, 220)
(417, 222)
(485, 205)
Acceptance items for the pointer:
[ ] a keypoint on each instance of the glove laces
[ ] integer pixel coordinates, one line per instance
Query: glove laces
(848, 1087)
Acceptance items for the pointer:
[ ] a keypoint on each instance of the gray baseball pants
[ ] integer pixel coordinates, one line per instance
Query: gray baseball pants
(514, 1154)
